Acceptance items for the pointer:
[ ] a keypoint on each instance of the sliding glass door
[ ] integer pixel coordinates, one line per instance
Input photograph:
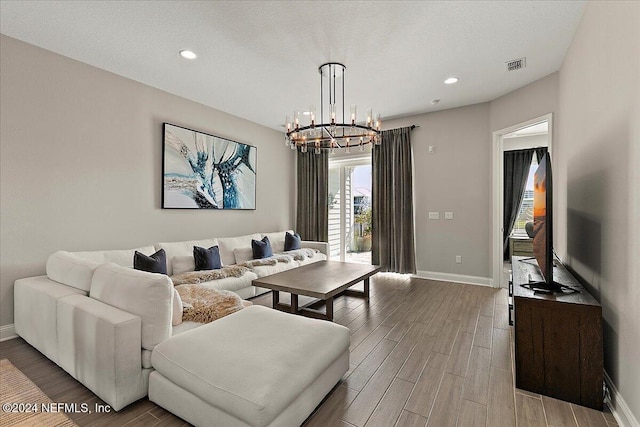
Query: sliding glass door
(350, 210)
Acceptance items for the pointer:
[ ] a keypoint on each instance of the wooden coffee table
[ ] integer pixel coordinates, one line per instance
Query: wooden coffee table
(323, 280)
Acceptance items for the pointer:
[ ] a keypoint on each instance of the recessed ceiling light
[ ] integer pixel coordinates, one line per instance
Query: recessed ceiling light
(187, 54)
(306, 113)
(451, 80)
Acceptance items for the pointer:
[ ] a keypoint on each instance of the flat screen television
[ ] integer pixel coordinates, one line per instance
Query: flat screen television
(543, 228)
(543, 219)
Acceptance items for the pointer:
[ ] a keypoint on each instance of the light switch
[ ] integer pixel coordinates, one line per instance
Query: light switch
(434, 215)
(432, 149)
(448, 215)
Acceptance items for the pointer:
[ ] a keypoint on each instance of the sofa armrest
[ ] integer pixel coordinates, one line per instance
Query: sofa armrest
(101, 346)
(35, 303)
(321, 246)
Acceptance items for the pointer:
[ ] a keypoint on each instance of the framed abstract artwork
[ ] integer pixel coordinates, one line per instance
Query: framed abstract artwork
(202, 171)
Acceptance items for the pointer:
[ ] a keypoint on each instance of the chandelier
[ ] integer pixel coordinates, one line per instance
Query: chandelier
(332, 131)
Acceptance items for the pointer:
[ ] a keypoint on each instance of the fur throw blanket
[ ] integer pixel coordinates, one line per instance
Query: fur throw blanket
(300, 254)
(267, 261)
(204, 305)
(195, 277)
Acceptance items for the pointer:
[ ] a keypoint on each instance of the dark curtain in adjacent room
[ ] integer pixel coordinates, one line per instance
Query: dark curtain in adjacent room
(312, 218)
(516, 172)
(393, 245)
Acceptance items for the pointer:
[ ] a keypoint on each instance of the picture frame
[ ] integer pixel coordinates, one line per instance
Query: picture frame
(204, 171)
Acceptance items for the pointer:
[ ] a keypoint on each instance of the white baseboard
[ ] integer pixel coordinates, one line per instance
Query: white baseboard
(456, 278)
(7, 332)
(619, 408)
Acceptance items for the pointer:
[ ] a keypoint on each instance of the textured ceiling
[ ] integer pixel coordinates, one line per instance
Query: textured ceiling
(258, 59)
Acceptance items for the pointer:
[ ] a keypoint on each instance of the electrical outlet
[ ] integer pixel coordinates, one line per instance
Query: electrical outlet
(448, 215)
(458, 259)
(434, 215)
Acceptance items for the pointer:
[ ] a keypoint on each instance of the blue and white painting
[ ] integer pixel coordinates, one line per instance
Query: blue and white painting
(203, 171)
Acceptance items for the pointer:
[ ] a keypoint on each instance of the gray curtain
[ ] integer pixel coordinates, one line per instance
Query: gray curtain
(392, 203)
(516, 172)
(312, 217)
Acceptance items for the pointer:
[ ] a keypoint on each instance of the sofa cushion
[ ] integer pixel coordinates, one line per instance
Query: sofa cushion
(243, 343)
(268, 270)
(206, 259)
(123, 257)
(71, 270)
(292, 241)
(228, 244)
(277, 239)
(261, 248)
(148, 295)
(154, 263)
(174, 249)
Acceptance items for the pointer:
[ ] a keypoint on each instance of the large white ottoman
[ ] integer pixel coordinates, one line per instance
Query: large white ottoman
(256, 367)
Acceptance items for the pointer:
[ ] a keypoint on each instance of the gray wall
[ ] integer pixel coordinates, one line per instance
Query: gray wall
(455, 177)
(596, 169)
(533, 100)
(81, 165)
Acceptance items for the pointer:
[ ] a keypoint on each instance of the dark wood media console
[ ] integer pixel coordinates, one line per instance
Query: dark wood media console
(558, 338)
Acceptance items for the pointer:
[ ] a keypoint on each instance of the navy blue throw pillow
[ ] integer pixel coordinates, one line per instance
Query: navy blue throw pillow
(261, 248)
(292, 241)
(156, 263)
(207, 259)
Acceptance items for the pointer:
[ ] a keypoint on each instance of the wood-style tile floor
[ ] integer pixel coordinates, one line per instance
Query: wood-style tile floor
(423, 353)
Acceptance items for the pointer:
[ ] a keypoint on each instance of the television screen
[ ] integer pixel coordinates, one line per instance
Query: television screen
(542, 219)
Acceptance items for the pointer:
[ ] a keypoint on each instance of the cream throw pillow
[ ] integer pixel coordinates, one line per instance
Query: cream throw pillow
(182, 264)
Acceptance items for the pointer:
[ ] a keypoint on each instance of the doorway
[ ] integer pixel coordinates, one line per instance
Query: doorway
(350, 210)
(533, 133)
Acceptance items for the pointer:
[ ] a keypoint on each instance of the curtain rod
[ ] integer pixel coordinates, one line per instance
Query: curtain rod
(412, 127)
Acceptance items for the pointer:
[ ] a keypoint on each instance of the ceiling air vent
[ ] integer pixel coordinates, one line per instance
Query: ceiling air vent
(516, 64)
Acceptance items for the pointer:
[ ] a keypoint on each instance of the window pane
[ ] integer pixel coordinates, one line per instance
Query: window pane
(359, 224)
(334, 213)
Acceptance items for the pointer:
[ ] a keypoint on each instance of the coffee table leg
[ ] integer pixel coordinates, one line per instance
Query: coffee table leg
(366, 288)
(329, 305)
(294, 303)
(275, 298)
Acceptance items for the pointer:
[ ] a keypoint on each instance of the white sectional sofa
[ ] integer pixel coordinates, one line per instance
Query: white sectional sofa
(99, 319)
